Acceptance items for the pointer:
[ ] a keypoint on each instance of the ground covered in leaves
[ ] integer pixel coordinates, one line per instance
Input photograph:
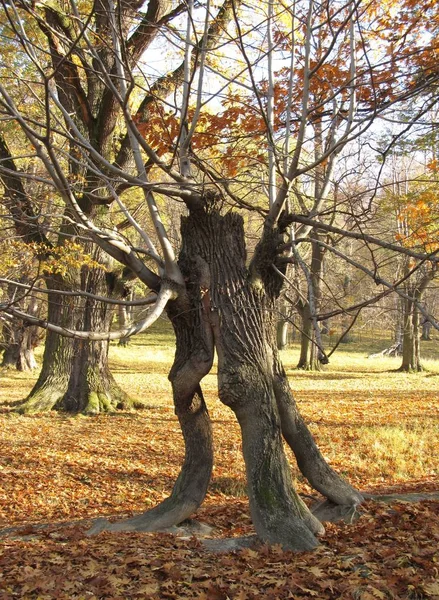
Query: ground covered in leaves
(379, 428)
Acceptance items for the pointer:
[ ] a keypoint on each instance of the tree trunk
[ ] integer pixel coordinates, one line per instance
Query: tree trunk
(426, 331)
(411, 346)
(241, 310)
(125, 318)
(75, 376)
(346, 318)
(308, 359)
(193, 360)
(19, 351)
(230, 307)
(20, 343)
(282, 334)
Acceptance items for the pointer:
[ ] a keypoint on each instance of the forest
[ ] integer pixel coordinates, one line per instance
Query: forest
(219, 299)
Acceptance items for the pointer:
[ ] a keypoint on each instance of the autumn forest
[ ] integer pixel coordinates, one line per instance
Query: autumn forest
(219, 299)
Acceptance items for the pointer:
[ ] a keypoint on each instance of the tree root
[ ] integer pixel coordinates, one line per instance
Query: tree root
(50, 398)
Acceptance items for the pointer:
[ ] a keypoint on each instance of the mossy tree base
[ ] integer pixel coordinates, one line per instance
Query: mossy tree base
(89, 403)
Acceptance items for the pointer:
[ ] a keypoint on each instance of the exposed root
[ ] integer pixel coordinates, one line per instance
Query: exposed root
(50, 397)
(43, 400)
(328, 512)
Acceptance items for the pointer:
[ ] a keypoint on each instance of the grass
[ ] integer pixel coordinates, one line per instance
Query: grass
(377, 426)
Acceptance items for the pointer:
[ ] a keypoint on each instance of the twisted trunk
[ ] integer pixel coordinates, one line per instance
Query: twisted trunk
(193, 360)
(231, 307)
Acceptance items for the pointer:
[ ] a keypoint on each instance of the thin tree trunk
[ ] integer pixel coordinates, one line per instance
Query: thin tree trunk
(125, 316)
(411, 350)
(193, 360)
(282, 334)
(309, 458)
(426, 331)
(124, 322)
(308, 359)
(306, 338)
(346, 318)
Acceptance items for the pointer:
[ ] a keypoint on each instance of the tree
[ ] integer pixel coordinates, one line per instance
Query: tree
(172, 147)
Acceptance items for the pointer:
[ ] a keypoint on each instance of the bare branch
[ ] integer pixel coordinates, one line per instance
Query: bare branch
(165, 294)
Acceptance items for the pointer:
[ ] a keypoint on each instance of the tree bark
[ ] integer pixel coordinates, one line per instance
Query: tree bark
(229, 306)
(19, 350)
(309, 458)
(308, 359)
(75, 376)
(193, 360)
(282, 334)
(411, 343)
(411, 346)
(241, 311)
(124, 322)
(20, 342)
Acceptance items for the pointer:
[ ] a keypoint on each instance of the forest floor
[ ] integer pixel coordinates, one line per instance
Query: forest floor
(377, 427)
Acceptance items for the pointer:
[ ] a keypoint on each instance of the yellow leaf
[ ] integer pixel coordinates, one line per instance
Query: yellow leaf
(432, 589)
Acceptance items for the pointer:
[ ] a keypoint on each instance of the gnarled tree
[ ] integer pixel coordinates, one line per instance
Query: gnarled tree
(218, 298)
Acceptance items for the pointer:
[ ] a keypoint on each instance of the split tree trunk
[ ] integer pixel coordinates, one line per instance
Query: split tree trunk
(411, 343)
(230, 307)
(240, 303)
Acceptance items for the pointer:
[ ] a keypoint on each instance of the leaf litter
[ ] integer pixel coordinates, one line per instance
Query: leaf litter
(57, 468)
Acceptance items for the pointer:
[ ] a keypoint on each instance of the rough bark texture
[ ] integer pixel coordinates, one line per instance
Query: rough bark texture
(240, 307)
(19, 347)
(20, 340)
(75, 375)
(193, 360)
(229, 306)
